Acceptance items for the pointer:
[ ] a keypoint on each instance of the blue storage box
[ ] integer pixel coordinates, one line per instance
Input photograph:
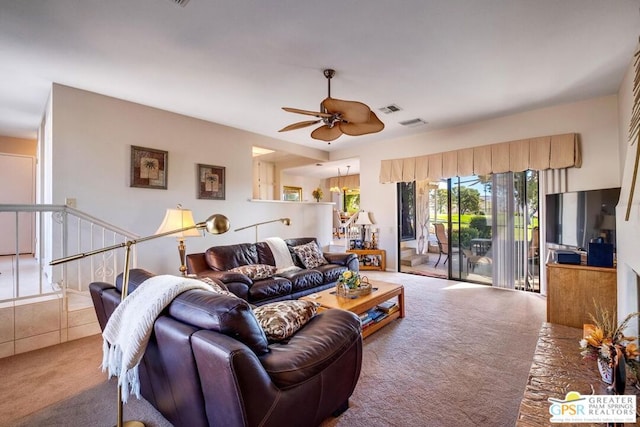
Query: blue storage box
(600, 255)
(567, 257)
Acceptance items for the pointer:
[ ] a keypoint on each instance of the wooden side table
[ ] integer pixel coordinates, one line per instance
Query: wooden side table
(377, 258)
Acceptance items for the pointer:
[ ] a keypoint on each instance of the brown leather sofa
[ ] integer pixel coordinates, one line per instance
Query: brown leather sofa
(208, 362)
(218, 260)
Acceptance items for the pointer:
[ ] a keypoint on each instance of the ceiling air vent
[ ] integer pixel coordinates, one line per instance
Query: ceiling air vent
(182, 3)
(390, 109)
(413, 123)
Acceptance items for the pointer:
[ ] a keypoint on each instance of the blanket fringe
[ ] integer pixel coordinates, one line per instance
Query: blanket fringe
(129, 328)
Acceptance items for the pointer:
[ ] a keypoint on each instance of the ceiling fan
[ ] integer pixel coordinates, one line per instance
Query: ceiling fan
(337, 117)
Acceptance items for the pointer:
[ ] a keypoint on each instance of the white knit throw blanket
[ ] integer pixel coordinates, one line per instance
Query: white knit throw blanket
(281, 254)
(128, 329)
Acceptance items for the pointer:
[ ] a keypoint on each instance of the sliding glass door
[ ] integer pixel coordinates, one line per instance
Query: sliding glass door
(471, 231)
(482, 229)
(516, 234)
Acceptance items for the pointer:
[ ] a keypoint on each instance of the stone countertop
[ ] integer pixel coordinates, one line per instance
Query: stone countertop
(557, 369)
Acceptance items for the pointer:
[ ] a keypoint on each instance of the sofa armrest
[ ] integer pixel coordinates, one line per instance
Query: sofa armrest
(227, 277)
(226, 364)
(197, 263)
(348, 259)
(237, 283)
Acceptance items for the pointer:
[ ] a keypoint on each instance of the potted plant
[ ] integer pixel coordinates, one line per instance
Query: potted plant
(605, 342)
(317, 194)
(351, 284)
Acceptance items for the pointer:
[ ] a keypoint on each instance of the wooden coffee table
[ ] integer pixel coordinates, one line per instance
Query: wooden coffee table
(382, 291)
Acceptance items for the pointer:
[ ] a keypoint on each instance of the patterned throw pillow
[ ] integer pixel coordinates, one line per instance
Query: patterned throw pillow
(310, 255)
(280, 320)
(256, 271)
(216, 287)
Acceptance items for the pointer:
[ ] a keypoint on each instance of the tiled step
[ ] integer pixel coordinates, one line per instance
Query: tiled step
(414, 260)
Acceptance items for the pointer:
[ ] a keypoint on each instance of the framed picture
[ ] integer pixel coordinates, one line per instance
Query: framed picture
(292, 194)
(149, 167)
(211, 182)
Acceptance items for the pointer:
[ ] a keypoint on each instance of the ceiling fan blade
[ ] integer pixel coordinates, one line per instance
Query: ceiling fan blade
(354, 129)
(326, 133)
(307, 112)
(299, 125)
(351, 111)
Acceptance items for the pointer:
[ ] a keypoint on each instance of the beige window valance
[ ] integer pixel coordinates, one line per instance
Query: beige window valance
(546, 152)
(349, 181)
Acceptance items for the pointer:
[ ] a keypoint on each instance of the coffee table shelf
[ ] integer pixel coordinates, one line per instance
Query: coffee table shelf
(382, 292)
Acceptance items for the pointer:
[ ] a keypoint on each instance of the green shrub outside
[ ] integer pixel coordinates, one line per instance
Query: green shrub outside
(466, 234)
(480, 223)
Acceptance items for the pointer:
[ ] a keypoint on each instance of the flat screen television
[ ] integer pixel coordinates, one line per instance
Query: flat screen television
(574, 218)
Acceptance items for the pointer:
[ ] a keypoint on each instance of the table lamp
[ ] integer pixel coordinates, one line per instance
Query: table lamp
(608, 225)
(175, 219)
(363, 220)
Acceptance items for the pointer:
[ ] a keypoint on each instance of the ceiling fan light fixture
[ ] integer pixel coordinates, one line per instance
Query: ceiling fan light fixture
(339, 116)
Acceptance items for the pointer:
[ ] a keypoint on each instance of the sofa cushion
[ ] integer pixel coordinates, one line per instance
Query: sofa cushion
(229, 315)
(331, 272)
(303, 279)
(256, 271)
(315, 347)
(273, 287)
(223, 258)
(280, 320)
(310, 255)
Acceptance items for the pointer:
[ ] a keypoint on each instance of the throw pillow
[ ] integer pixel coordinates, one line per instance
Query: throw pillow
(310, 255)
(280, 320)
(256, 271)
(217, 288)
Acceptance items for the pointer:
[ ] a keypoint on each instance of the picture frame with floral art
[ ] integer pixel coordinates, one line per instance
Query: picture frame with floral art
(211, 182)
(291, 194)
(149, 168)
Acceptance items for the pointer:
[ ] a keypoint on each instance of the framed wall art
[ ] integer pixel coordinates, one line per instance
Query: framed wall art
(292, 194)
(149, 167)
(211, 182)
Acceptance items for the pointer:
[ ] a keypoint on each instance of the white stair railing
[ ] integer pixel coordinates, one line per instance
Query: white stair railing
(34, 235)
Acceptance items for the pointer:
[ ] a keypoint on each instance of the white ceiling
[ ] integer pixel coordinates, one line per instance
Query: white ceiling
(238, 62)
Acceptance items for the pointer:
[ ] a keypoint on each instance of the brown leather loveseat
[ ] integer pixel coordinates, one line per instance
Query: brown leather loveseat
(208, 362)
(218, 261)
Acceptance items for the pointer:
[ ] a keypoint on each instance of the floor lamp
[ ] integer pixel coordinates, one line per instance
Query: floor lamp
(285, 221)
(215, 224)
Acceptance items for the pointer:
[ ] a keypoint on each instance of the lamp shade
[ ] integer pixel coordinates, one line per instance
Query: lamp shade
(176, 219)
(608, 222)
(363, 218)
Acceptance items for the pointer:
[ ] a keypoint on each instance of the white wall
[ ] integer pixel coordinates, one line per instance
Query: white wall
(91, 139)
(627, 232)
(92, 135)
(596, 120)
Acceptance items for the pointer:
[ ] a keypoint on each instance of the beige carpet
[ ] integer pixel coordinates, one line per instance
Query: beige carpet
(460, 358)
(34, 380)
